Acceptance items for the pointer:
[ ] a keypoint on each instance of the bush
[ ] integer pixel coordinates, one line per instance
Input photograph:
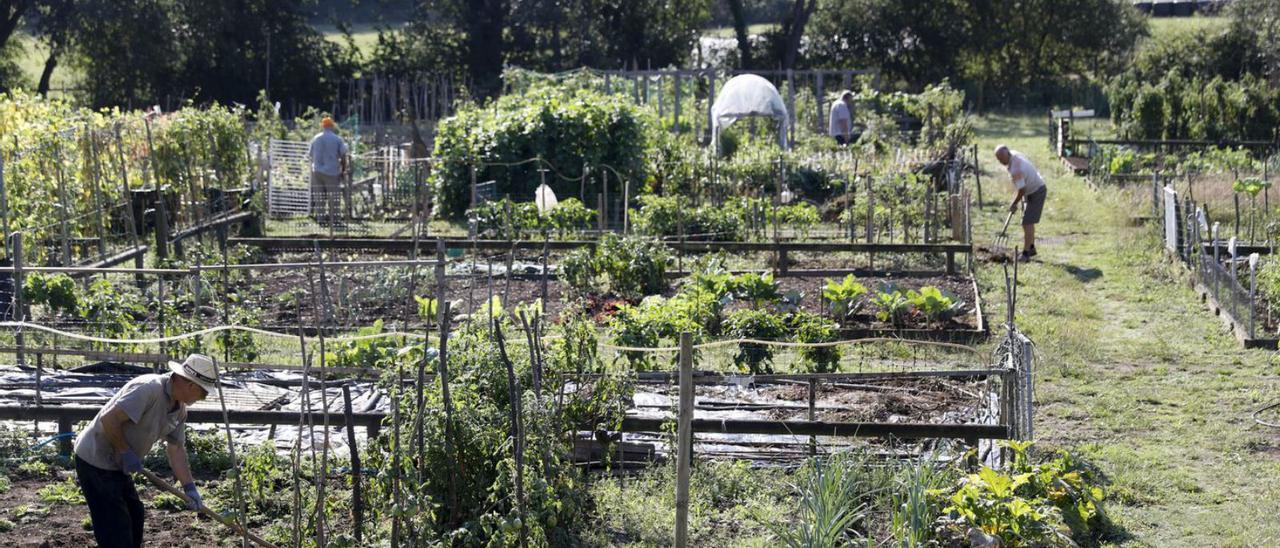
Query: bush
(812, 328)
(568, 130)
(625, 266)
(1057, 502)
(760, 325)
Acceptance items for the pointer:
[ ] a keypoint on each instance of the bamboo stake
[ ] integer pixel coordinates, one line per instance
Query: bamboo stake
(517, 433)
(231, 452)
(447, 400)
(357, 502)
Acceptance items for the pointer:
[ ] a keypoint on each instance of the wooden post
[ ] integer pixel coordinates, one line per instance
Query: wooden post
(684, 432)
(813, 394)
(711, 100)
(446, 400)
(977, 174)
(517, 433)
(357, 502)
(791, 106)
(4, 199)
(16, 309)
(818, 98)
(64, 203)
(162, 216)
(675, 121)
(64, 443)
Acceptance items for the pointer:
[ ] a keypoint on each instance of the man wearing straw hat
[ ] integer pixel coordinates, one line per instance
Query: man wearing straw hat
(111, 449)
(328, 153)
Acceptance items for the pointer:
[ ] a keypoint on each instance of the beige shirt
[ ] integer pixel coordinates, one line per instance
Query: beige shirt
(148, 401)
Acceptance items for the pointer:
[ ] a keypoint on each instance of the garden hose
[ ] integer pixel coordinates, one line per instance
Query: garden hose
(1264, 408)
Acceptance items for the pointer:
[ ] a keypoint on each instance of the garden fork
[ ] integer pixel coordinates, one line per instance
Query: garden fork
(1002, 239)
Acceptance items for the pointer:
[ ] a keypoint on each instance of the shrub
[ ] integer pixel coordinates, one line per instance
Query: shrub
(56, 291)
(812, 328)
(1057, 502)
(566, 129)
(759, 289)
(760, 325)
(625, 266)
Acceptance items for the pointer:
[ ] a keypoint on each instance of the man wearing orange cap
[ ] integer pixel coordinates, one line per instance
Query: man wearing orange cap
(328, 155)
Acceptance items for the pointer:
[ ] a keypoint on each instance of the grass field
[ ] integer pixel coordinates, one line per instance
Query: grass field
(1133, 372)
(1161, 26)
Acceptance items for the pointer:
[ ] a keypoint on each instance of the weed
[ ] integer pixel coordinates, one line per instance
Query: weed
(6, 525)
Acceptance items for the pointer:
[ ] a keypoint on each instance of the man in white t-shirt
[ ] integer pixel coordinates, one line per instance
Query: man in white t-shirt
(840, 124)
(1029, 185)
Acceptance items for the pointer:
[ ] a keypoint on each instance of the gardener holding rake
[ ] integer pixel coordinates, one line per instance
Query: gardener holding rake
(1029, 186)
(110, 450)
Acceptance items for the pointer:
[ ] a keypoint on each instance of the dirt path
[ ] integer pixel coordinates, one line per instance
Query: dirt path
(1135, 374)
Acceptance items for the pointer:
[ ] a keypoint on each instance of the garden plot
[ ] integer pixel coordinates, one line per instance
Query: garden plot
(744, 400)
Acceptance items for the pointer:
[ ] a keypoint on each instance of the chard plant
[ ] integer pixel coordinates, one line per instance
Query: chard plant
(892, 306)
(844, 298)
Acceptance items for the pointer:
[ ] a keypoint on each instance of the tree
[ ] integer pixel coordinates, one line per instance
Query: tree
(1258, 22)
(740, 32)
(793, 26)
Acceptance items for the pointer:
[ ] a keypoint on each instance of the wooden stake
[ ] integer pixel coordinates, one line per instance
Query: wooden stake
(684, 432)
(357, 502)
(517, 433)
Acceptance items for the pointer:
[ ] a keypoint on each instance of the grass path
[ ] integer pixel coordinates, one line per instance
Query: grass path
(1133, 373)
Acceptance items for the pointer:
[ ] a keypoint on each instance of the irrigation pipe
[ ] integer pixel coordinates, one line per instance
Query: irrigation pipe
(204, 510)
(1260, 410)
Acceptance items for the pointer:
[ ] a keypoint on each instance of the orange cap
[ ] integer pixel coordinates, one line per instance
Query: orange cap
(327, 123)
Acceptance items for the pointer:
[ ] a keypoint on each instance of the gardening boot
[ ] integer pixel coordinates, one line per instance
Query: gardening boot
(1024, 257)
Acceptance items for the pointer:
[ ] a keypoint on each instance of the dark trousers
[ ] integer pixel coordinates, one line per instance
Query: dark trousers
(114, 506)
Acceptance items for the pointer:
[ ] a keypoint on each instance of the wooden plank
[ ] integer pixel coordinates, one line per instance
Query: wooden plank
(404, 244)
(237, 416)
(904, 430)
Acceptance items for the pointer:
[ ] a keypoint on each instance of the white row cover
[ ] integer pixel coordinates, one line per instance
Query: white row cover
(745, 96)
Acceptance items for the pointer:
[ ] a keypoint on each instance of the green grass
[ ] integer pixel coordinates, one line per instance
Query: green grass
(727, 32)
(1133, 372)
(365, 36)
(1198, 25)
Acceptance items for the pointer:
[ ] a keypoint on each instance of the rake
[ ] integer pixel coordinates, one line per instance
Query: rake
(169, 488)
(1002, 239)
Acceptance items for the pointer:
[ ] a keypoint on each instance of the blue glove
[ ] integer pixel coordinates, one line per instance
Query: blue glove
(130, 462)
(196, 503)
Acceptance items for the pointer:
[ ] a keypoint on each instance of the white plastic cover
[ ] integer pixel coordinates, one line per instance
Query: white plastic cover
(744, 96)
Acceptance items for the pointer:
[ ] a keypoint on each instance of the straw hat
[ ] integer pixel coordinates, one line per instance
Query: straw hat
(200, 369)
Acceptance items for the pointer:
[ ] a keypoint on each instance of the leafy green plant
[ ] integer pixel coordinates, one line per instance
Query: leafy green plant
(760, 290)
(759, 325)
(109, 311)
(56, 291)
(63, 492)
(892, 305)
(844, 298)
(935, 306)
(625, 266)
(812, 328)
(1057, 502)
(569, 130)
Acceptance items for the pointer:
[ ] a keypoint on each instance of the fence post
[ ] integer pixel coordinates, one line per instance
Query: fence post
(1253, 286)
(4, 199)
(684, 433)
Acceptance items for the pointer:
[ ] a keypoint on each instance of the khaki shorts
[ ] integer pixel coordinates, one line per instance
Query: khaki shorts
(1035, 206)
(323, 183)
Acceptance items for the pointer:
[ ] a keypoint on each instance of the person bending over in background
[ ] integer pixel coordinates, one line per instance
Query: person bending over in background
(840, 125)
(110, 450)
(1029, 185)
